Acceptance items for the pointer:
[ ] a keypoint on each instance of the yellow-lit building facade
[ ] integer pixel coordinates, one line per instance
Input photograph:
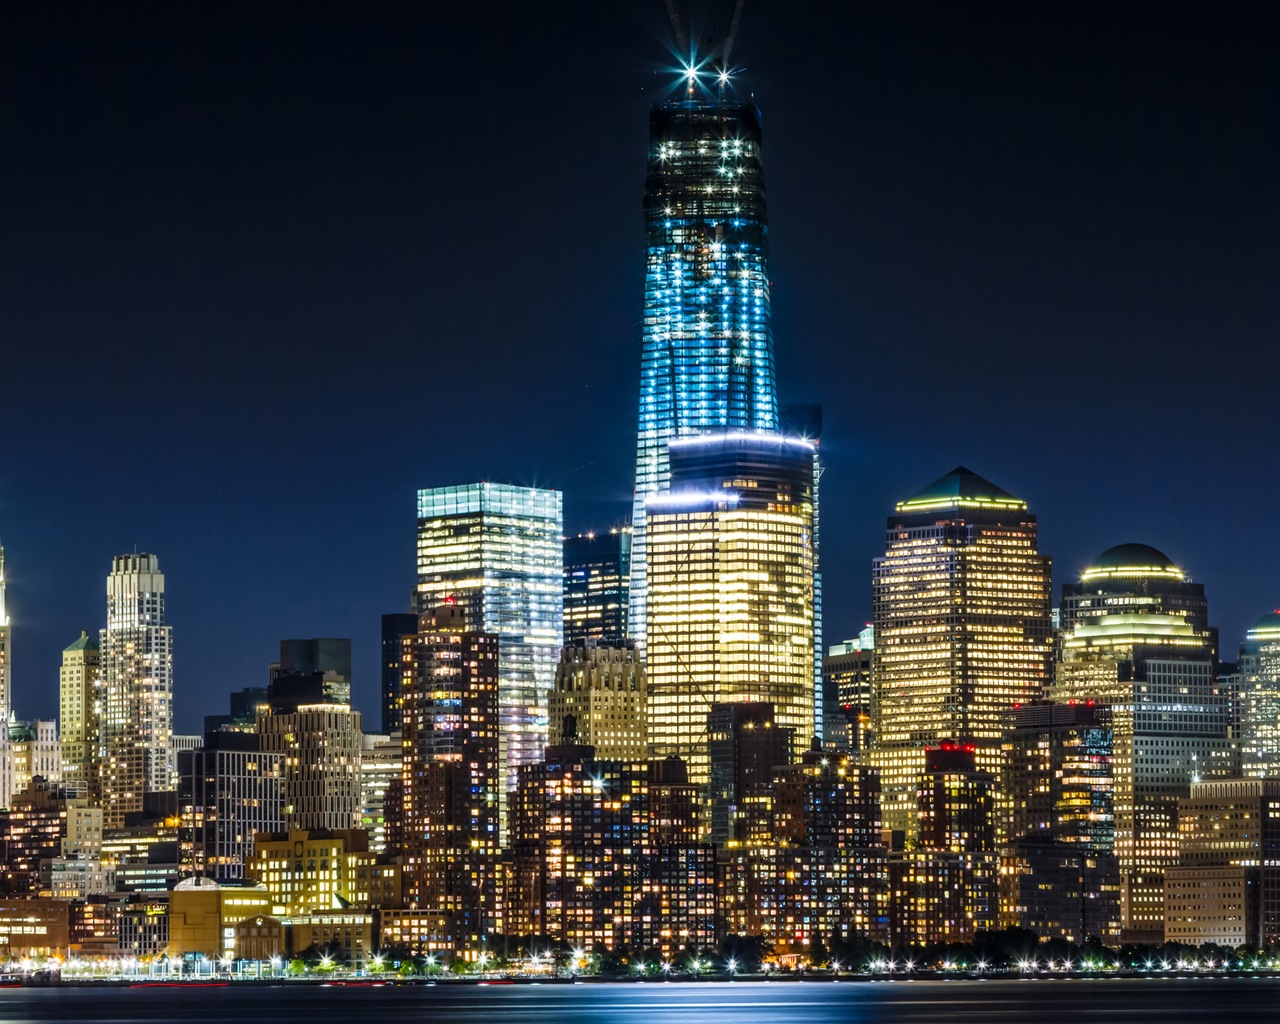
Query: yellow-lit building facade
(602, 688)
(321, 870)
(962, 630)
(204, 915)
(80, 694)
(730, 575)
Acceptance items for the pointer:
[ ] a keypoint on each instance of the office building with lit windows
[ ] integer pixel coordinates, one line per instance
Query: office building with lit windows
(846, 694)
(136, 650)
(1059, 873)
(962, 630)
(597, 586)
(1258, 698)
(395, 627)
(1226, 886)
(731, 589)
(451, 780)
(600, 693)
(6, 692)
(1138, 640)
(228, 790)
(707, 358)
(308, 721)
(496, 550)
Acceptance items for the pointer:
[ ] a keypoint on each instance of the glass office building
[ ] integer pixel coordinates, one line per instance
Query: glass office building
(495, 549)
(731, 581)
(707, 360)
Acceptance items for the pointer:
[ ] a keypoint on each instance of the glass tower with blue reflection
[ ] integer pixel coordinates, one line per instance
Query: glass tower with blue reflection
(707, 362)
(495, 550)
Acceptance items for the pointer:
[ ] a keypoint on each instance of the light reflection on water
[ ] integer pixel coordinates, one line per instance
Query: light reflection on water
(905, 1002)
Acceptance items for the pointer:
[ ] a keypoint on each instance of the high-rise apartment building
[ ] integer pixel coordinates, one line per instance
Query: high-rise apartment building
(1258, 698)
(80, 693)
(597, 586)
(962, 630)
(1138, 639)
(136, 649)
(604, 852)
(944, 887)
(495, 550)
(307, 721)
(731, 589)
(6, 695)
(1059, 874)
(382, 792)
(745, 746)
(707, 362)
(451, 782)
(600, 690)
(228, 790)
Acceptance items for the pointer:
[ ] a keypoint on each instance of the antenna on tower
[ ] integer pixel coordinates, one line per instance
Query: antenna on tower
(733, 31)
(682, 41)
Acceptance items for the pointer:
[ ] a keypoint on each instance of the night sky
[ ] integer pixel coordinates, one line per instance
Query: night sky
(264, 274)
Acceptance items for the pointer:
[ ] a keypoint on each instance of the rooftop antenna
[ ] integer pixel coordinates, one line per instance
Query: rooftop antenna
(682, 41)
(733, 31)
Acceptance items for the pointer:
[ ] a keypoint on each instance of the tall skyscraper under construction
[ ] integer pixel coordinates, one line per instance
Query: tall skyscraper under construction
(707, 362)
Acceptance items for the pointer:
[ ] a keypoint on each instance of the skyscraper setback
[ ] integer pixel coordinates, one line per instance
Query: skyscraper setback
(707, 360)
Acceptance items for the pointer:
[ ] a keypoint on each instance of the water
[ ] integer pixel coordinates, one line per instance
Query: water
(815, 1002)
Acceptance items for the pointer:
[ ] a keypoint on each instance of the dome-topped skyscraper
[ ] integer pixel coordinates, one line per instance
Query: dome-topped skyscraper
(1136, 636)
(1133, 578)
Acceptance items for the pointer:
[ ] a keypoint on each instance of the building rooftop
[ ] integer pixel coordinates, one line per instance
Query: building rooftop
(961, 488)
(85, 643)
(1266, 628)
(1132, 560)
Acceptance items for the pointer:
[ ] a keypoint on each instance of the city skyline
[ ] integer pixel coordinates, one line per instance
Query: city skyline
(1116, 258)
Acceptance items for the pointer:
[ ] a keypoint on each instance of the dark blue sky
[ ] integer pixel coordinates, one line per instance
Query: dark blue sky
(263, 274)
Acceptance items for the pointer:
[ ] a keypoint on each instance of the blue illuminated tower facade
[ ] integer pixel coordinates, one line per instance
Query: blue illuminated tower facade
(707, 361)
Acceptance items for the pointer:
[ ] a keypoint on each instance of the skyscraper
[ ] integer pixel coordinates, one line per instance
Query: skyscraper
(137, 670)
(597, 586)
(707, 362)
(1259, 698)
(80, 708)
(1139, 640)
(731, 589)
(308, 722)
(228, 790)
(600, 690)
(6, 667)
(6, 696)
(495, 549)
(451, 779)
(962, 630)
(395, 627)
